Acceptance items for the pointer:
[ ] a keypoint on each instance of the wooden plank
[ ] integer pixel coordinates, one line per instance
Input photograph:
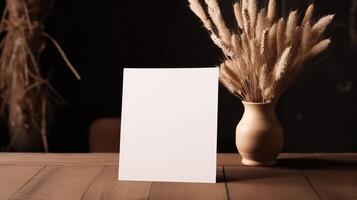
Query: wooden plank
(205, 191)
(290, 159)
(224, 159)
(337, 183)
(60, 158)
(267, 183)
(294, 159)
(107, 186)
(59, 182)
(12, 178)
(312, 158)
(112, 158)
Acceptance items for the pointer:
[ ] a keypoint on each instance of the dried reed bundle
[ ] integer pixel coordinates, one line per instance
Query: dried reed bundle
(23, 90)
(265, 54)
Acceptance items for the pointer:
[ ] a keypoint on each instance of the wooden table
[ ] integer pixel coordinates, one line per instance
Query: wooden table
(94, 176)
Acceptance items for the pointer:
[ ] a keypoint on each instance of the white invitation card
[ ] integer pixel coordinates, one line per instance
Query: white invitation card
(169, 125)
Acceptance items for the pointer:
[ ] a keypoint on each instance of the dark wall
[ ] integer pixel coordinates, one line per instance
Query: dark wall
(101, 37)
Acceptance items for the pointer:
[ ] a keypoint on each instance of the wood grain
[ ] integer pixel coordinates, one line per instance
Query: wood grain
(60, 158)
(107, 186)
(338, 183)
(59, 182)
(13, 177)
(113, 158)
(224, 159)
(204, 191)
(94, 176)
(267, 183)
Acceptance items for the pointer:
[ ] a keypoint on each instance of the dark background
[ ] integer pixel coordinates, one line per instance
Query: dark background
(101, 37)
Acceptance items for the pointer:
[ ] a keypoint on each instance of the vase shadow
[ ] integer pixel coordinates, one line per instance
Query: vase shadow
(284, 165)
(312, 163)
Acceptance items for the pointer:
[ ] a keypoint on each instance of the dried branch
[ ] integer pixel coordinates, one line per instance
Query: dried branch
(24, 93)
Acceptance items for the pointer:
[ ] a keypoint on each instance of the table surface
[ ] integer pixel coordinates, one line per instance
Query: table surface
(94, 176)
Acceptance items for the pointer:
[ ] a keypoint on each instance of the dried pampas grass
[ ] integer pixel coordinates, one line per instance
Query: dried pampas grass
(23, 91)
(264, 53)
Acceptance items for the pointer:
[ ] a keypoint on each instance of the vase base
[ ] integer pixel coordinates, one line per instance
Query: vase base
(257, 163)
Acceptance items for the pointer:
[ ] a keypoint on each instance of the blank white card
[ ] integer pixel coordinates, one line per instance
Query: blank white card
(169, 125)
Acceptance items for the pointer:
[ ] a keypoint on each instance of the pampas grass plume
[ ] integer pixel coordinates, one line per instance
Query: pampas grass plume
(321, 25)
(308, 15)
(197, 8)
(264, 54)
(317, 49)
(282, 64)
(238, 14)
(216, 16)
(271, 10)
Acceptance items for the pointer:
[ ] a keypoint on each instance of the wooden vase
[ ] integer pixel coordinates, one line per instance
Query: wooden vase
(259, 135)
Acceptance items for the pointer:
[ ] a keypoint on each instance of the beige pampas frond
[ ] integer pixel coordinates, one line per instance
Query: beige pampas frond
(317, 49)
(306, 38)
(229, 79)
(308, 15)
(264, 42)
(263, 79)
(272, 45)
(321, 25)
(255, 52)
(246, 49)
(265, 55)
(282, 64)
(261, 23)
(226, 71)
(227, 83)
(217, 18)
(245, 4)
(291, 23)
(217, 41)
(238, 15)
(252, 11)
(197, 8)
(271, 10)
(236, 44)
(280, 35)
(246, 22)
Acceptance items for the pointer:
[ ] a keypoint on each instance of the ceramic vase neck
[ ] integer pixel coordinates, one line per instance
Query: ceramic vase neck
(259, 107)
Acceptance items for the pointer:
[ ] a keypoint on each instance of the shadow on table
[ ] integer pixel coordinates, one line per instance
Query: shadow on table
(283, 169)
(311, 163)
